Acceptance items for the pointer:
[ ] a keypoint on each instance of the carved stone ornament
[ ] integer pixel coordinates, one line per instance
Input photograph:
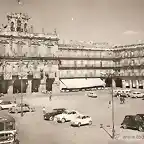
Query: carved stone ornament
(4, 42)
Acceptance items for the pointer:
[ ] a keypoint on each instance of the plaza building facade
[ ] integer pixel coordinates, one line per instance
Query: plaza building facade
(36, 62)
(121, 64)
(27, 62)
(88, 60)
(129, 61)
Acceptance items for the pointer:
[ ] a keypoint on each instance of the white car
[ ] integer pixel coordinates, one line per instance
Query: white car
(137, 95)
(82, 120)
(7, 105)
(92, 94)
(67, 116)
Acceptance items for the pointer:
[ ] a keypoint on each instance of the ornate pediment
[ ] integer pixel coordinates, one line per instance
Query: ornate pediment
(49, 43)
(20, 43)
(4, 42)
(35, 43)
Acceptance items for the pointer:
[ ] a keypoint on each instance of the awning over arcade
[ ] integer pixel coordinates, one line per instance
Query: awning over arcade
(81, 83)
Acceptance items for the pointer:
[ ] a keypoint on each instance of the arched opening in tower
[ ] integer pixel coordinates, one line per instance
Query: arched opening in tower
(19, 29)
(12, 26)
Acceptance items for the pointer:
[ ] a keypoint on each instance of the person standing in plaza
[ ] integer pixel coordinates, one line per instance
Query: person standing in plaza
(44, 110)
(50, 95)
(109, 104)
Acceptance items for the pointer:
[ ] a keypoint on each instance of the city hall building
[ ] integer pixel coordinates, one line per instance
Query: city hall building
(27, 60)
(37, 62)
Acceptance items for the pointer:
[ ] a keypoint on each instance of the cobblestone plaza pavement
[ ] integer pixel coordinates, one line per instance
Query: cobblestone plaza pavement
(32, 129)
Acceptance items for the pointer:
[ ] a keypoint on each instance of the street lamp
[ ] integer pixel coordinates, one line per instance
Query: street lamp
(111, 75)
(21, 87)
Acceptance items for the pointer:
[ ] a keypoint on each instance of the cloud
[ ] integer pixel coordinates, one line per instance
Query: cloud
(130, 32)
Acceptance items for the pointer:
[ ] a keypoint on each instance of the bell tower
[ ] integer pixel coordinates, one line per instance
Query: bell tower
(18, 22)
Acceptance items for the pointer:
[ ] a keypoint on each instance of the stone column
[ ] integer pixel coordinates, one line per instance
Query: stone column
(143, 83)
(123, 84)
(42, 87)
(56, 83)
(56, 87)
(137, 84)
(130, 84)
(10, 88)
(113, 83)
(29, 86)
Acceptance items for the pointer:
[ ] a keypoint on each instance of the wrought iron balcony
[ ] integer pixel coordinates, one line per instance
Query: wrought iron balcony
(85, 66)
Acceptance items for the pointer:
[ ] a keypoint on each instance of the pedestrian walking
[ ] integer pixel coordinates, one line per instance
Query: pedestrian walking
(50, 95)
(109, 104)
(44, 110)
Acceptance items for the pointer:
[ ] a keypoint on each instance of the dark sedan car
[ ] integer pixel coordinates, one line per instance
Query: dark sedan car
(134, 122)
(50, 115)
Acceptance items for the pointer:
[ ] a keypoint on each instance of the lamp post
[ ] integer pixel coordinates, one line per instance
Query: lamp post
(21, 88)
(111, 75)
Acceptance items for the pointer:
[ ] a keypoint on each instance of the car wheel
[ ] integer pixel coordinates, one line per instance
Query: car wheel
(63, 120)
(0, 108)
(79, 124)
(90, 122)
(55, 119)
(140, 128)
(51, 118)
(124, 126)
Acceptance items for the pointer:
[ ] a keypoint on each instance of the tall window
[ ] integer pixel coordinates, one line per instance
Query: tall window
(48, 51)
(19, 49)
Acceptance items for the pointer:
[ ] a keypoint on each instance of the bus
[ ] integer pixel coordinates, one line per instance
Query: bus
(8, 133)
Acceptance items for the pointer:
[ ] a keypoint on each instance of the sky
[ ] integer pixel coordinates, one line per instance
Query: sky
(113, 21)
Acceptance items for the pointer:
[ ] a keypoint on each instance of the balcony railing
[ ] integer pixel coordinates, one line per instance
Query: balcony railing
(85, 65)
(85, 56)
(23, 34)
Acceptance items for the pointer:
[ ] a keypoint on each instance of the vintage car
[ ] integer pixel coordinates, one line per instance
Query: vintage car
(92, 94)
(67, 116)
(8, 133)
(81, 120)
(134, 122)
(23, 107)
(50, 115)
(137, 95)
(7, 105)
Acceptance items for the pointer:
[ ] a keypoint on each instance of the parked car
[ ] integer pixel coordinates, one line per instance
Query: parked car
(7, 105)
(67, 116)
(82, 120)
(134, 122)
(51, 115)
(25, 108)
(92, 94)
(137, 95)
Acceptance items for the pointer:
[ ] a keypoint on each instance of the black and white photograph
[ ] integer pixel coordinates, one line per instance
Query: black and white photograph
(71, 71)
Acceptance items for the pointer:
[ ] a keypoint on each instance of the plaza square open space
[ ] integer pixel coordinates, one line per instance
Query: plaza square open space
(32, 129)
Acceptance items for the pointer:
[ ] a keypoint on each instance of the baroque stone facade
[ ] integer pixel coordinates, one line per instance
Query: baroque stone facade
(27, 58)
(34, 62)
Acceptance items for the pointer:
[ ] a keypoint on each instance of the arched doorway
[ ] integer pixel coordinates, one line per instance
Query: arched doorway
(49, 82)
(17, 86)
(108, 82)
(35, 85)
(118, 82)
